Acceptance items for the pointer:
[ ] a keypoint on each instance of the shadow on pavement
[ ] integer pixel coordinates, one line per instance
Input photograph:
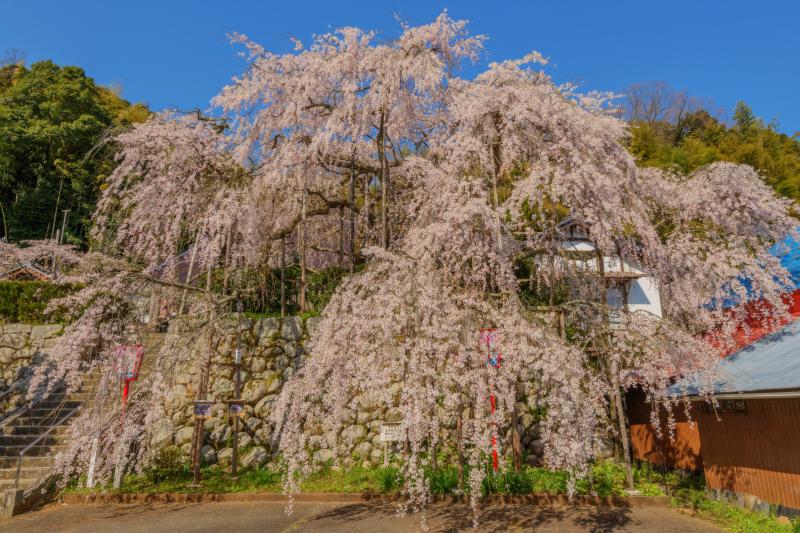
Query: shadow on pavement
(493, 518)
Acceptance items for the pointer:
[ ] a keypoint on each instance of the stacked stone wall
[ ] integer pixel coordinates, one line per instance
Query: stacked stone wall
(274, 351)
(21, 347)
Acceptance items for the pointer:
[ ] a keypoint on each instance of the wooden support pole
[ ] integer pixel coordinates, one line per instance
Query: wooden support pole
(460, 443)
(283, 277)
(616, 397)
(516, 442)
(302, 243)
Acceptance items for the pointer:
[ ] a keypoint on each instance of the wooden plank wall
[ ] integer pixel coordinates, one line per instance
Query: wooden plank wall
(681, 452)
(756, 453)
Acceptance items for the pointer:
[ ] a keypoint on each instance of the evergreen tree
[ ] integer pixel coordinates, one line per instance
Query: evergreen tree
(51, 118)
(743, 116)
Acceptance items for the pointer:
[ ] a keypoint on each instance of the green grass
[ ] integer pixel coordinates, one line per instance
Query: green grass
(170, 474)
(218, 480)
(355, 479)
(607, 479)
(727, 516)
(214, 480)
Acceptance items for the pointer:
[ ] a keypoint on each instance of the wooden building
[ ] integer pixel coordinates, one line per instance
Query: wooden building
(748, 444)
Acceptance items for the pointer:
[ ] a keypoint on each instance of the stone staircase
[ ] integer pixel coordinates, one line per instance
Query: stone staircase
(45, 425)
(152, 344)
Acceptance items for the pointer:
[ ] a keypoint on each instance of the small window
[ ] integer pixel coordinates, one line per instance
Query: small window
(726, 407)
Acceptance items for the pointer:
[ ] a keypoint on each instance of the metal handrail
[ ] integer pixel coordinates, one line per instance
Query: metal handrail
(37, 440)
(21, 411)
(40, 437)
(11, 388)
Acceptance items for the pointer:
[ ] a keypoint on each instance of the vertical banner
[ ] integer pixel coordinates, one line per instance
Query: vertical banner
(487, 339)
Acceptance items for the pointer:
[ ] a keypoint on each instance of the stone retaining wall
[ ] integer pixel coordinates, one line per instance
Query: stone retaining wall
(274, 351)
(21, 346)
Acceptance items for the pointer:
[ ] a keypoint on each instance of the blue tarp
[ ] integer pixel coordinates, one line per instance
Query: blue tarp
(791, 260)
(789, 252)
(772, 363)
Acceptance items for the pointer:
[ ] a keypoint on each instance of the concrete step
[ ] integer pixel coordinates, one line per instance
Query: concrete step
(33, 430)
(24, 440)
(59, 398)
(6, 484)
(54, 404)
(10, 461)
(33, 451)
(54, 413)
(25, 420)
(30, 472)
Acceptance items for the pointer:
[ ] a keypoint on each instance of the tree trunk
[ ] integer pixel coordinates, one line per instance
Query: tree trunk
(189, 273)
(205, 371)
(302, 243)
(340, 253)
(228, 250)
(384, 182)
(614, 383)
(283, 277)
(497, 156)
(352, 200)
(367, 209)
(623, 429)
(460, 443)
(516, 443)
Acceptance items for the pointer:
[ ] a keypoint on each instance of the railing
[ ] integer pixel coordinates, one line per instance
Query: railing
(37, 440)
(21, 411)
(11, 388)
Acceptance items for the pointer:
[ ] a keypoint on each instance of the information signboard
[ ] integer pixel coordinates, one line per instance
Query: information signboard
(391, 433)
(235, 407)
(202, 408)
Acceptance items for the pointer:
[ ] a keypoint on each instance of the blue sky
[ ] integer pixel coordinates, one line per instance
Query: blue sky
(175, 53)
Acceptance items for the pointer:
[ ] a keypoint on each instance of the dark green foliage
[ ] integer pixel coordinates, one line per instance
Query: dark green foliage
(25, 301)
(743, 116)
(168, 464)
(261, 288)
(51, 120)
(443, 480)
(389, 479)
(704, 140)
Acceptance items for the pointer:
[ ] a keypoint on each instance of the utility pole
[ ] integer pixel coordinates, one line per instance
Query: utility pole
(63, 226)
(5, 226)
(58, 201)
(237, 388)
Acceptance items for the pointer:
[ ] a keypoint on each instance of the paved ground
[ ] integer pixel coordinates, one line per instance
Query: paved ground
(270, 517)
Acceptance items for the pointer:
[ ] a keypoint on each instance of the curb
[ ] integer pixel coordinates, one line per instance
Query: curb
(552, 500)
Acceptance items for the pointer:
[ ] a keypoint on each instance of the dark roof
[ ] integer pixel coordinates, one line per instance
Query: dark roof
(23, 270)
(770, 364)
(177, 269)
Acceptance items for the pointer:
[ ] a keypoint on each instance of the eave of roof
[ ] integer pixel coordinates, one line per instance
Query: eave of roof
(770, 366)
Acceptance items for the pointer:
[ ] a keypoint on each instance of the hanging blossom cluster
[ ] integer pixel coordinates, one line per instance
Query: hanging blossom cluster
(101, 305)
(449, 186)
(175, 182)
(413, 318)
